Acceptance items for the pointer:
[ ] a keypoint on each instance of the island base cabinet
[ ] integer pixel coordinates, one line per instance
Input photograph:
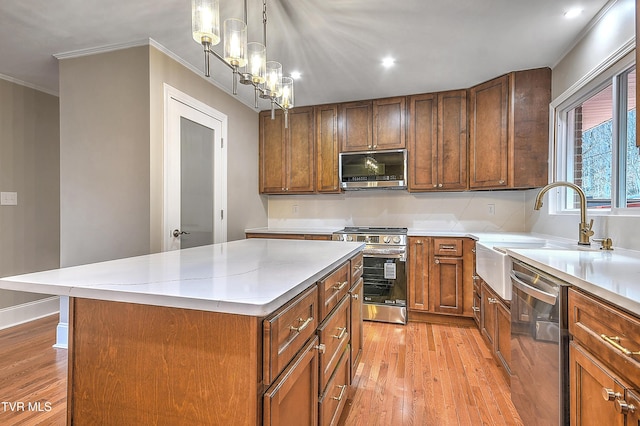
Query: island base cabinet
(335, 396)
(293, 399)
(134, 364)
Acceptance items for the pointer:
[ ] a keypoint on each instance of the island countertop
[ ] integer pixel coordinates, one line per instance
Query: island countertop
(248, 277)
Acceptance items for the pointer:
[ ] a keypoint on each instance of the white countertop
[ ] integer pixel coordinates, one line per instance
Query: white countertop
(248, 277)
(308, 231)
(611, 275)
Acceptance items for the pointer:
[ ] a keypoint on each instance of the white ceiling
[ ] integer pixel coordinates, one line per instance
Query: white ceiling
(337, 45)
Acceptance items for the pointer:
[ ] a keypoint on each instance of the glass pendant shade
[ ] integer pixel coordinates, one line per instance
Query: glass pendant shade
(273, 81)
(235, 42)
(286, 98)
(205, 21)
(257, 62)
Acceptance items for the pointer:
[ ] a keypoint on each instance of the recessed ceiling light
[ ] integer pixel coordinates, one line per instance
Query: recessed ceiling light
(295, 75)
(388, 62)
(573, 13)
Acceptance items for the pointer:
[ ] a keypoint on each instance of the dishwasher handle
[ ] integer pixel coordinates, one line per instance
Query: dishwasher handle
(533, 291)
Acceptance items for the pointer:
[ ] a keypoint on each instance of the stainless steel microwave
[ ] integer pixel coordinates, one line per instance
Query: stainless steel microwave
(373, 170)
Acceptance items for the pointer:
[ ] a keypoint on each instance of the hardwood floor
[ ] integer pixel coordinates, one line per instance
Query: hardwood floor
(427, 374)
(33, 375)
(418, 374)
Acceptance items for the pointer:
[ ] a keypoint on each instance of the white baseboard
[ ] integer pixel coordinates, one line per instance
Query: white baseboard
(19, 314)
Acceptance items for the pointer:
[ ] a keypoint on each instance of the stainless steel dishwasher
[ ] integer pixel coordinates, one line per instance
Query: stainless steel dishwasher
(539, 346)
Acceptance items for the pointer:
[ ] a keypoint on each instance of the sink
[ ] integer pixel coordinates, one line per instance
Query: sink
(493, 264)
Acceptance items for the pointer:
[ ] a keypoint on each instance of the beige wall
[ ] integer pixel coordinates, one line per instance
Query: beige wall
(111, 110)
(29, 165)
(615, 30)
(245, 208)
(104, 156)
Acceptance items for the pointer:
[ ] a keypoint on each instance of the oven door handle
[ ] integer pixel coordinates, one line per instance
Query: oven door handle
(401, 256)
(532, 291)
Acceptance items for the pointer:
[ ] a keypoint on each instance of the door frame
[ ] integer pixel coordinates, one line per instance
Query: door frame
(171, 94)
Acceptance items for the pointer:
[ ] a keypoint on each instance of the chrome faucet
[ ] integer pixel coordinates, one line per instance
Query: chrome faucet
(584, 229)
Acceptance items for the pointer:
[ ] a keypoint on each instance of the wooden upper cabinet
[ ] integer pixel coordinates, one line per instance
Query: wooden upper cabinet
(373, 125)
(389, 123)
(287, 155)
(327, 148)
(509, 131)
(488, 162)
(437, 141)
(355, 126)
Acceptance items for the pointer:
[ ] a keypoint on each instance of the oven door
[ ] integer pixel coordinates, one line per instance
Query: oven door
(385, 281)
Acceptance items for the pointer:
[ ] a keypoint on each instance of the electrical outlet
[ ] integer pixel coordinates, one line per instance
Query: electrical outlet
(491, 209)
(9, 198)
(294, 209)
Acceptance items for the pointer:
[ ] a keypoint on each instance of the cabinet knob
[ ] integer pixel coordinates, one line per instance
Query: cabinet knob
(501, 182)
(439, 185)
(437, 261)
(355, 296)
(475, 309)
(435, 185)
(623, 407)
(610, 395)
(321, 348)
(492, 300)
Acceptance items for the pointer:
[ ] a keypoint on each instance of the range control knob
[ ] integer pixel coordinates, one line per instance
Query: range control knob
(349, 238)
(387, 239)
(397, 239)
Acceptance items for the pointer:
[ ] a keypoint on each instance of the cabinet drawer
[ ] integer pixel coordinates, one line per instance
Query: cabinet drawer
(357, 265)
(332, 289)
(447, 247)
(334, 336)
(610, 334)
(293, 399)
(286, 332)
(334, 398)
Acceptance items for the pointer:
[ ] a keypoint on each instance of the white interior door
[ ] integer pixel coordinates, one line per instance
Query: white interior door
(195, 173)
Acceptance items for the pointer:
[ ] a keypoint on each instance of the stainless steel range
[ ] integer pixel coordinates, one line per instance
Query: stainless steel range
(384, 273)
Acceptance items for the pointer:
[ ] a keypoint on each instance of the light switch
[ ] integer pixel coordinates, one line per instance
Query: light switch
(9, 198)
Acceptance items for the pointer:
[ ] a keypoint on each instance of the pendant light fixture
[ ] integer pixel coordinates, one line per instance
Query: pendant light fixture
(247, 61)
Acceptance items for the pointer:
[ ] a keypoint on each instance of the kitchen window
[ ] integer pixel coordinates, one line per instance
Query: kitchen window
(596, 143)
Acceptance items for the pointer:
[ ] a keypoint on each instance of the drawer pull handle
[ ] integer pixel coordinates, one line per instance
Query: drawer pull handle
(475, 309)
(492, 300)
(340, 286)
(343, 389)
(445, 247)
(615, 342)
(343, 331)
(305, 324)
(355, 296)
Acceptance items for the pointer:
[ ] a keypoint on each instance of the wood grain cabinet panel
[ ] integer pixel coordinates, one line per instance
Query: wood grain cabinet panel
(356, 121)
(333, 288)
(509, 131)
(334, 335)
(389, 123)
(327, 148)
(287, 155)
(445, 285)
(335, 396)
(372, 125)
(495, 326)
(437, 141)
(418, 272)
(293, 398)
(355, 326)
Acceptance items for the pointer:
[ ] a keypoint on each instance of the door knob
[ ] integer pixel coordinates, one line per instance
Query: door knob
(177, 233)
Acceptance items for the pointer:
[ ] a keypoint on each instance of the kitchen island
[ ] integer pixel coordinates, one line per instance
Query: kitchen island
(208, 335)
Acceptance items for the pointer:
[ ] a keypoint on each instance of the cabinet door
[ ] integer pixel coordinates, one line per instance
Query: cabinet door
(355, 126)
(593, 390)
(418, 259)
(300, 152)
(327, 148)
(502, 343)
(452, 140)
(422, 142)
(488, 134)
(356, 330)
(293, 398)
(488, 315)
(445, 285)
(389, 123)
(272, 153)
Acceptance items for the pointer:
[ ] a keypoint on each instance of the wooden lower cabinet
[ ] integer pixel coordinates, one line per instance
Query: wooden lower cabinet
(356, 330)
(594, 390)
(440, 276)
(604, 374)
(495, 326)
(335, 395)
(293, 399)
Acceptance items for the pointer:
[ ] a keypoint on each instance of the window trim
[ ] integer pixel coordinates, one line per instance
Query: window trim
(601, 76)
